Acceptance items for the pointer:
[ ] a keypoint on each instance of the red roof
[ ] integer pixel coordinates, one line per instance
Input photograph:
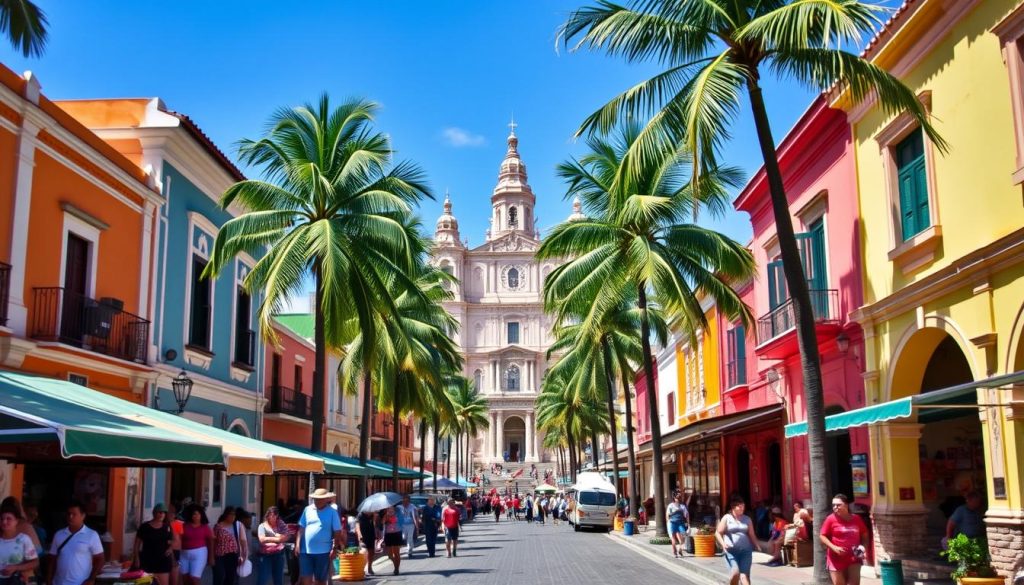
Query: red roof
(208, 144)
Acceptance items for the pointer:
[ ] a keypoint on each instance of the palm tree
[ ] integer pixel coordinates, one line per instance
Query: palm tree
(470, 409)
(25, 25)
(637, 244)
(713, 51)
(330, 205)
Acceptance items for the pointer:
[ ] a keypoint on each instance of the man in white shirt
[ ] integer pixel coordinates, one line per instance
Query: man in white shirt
(409, 520)
(76, 552)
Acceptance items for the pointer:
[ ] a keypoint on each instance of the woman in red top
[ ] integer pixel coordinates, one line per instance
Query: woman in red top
(845, 537)
(393, 538)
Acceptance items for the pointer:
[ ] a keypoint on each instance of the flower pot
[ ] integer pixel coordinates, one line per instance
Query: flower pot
(982, 580)
(618, 524)
(704, 545)
(351, 567)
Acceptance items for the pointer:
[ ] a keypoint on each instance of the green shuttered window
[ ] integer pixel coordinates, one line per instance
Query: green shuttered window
(913, 184)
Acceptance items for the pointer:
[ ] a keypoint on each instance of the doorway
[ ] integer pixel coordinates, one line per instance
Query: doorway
(76, 284)
(775, 473)
(743, 474)
(837, 452)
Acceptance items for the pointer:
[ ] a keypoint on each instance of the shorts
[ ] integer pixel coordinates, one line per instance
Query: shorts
(451, 534)
(676, 528)
(741, 560)
(392, 539)
(193, 562)
(316, 565)
(839, 563)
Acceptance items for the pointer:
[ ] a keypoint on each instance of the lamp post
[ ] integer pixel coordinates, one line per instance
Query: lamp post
(182, 388)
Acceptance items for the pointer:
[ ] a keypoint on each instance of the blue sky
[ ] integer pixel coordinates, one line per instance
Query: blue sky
(448, 75)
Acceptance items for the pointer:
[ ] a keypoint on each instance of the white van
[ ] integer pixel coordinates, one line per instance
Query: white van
(595, 502)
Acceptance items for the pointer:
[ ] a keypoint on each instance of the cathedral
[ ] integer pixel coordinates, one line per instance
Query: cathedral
(504, 333)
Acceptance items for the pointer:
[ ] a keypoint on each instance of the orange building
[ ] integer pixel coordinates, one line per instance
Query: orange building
(76, 241)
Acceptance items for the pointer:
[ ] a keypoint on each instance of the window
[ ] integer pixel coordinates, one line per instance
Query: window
(245, 338)
(596, 498)
(670, 410)
(78, 379)
(512, 378)
(737, 348)
(478, 380)
(513, 217)
(447, 269)
(199, 317)
(1011, 36)
(778, 293)
(513, 329)
(218, 488)
(513, 278)
(298, 378)
(912, 181)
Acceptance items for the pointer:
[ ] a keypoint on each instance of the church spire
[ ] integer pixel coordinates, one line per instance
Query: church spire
(446, 232)
(512, 200)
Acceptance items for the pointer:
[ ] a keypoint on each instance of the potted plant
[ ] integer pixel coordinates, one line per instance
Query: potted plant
(704, 541)
(972, 562)
(351, 565)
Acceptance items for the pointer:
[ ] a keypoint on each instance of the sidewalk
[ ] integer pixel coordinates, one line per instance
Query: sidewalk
(714, 569)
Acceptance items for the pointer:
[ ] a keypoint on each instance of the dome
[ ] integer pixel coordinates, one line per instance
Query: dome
(447, 227)
(577, 210)
(512, 173)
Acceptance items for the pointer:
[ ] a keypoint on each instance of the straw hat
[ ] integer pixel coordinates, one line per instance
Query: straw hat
(321, 493)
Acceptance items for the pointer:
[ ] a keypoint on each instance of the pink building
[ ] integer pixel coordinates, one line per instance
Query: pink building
(818, 167)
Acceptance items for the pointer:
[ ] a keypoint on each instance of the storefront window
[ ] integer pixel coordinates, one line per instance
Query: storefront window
(702, 481)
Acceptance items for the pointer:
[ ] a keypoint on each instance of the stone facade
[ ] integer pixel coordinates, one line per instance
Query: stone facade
(503, 331)
(1006, 545)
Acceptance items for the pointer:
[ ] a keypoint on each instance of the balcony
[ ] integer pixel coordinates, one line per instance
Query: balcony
(100, 325)
(5, 290)
(776, 331)
(287, 401)
(245, 349)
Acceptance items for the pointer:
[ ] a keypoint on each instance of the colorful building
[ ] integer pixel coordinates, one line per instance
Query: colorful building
(204, 327)
(75, 266)
(942, 243)
(817, 163)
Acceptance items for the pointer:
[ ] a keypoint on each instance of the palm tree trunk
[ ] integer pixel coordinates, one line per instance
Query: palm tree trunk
(634, 488)
(317, 436)
(611, 411)
(423, 450)
(594, 448)
(437, 429)
(660, 529)
(364, 430)
(395, 410)
(810, 360)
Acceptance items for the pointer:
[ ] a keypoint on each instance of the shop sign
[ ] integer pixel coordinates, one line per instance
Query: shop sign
(859, 469)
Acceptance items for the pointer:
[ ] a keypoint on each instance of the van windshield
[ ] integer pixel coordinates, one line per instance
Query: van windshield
(597, 499)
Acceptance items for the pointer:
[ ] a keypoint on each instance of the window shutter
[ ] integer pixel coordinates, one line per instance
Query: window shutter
(920, 195)
(777, 292)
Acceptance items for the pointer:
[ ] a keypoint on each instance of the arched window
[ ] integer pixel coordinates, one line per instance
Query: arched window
(447, 269)
(513, 278)
(512, 379)
(513, 217)
(478, 378)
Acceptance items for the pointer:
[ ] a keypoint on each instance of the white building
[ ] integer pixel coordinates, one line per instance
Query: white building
(504, 333)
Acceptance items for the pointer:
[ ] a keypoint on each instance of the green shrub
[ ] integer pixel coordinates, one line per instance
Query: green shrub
(970, 556)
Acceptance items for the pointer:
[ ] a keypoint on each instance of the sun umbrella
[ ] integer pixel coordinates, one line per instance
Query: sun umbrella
(545, 488)
(380, 501)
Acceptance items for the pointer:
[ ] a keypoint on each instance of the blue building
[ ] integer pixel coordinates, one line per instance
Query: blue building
(204, 327)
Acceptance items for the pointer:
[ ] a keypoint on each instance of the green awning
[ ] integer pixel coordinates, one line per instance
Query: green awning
(945, 398)
(403, 472)
(333, 464)
(46, 419)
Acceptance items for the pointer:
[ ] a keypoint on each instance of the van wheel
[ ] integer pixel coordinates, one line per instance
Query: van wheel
(576, 527)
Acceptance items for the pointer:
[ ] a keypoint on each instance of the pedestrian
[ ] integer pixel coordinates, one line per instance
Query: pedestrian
(177, 527)
(319, 536)
(845, 536)
(18, 556)
(496, 507)
(736, 536)
(230, 548)
(430, 524)
(31, 513)
(77, 551)
(409, 520)
(968, 518)
(554, 503)
(450, 519)
(272, 535)
(393, 537)
(777, 537)
(366, 528)
(154, 546)
(678, 522)
(24, 525)
(196, 545)
(528, 504)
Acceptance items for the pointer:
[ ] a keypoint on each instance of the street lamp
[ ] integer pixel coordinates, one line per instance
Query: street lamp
(842, 343)
(182, 388)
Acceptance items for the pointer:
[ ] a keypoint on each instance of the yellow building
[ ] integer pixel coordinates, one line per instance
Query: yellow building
(943, 253)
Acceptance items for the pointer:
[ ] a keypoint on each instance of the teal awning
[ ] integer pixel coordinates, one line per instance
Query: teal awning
(336, 465)
(952, 397)
(622, 473)
(383, 469)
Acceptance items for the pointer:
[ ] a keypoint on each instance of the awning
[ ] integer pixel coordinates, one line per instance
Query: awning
(333, 464)
(959, 396)
(403, 472)
(42, 419)
(714, 427)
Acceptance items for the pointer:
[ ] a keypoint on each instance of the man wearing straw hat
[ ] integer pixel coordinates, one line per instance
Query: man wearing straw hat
(320, 538)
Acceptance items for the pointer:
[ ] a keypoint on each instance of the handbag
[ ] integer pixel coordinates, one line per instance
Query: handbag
(245, 569)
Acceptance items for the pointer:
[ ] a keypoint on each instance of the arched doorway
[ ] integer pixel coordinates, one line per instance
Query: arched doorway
(837, 452)
(514, 439)
(775, 472)
(743, 474)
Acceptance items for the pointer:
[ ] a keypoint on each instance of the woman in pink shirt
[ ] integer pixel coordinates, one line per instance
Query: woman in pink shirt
(845, 536)
(196, 545)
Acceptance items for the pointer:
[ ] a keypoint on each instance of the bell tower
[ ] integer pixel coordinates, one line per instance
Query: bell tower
(512, 201)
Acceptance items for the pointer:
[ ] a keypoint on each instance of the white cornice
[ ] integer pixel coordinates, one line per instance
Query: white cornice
(213, 389)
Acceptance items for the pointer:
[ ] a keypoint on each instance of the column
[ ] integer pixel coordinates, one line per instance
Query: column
(500, 437)
(489, 445)
(531, 454)
(494, 376)
(17, 308)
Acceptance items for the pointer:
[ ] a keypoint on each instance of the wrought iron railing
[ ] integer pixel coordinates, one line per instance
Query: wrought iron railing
(245, 348)
(287, 401)
(100, 325)
(5, 290)
(824, 303)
